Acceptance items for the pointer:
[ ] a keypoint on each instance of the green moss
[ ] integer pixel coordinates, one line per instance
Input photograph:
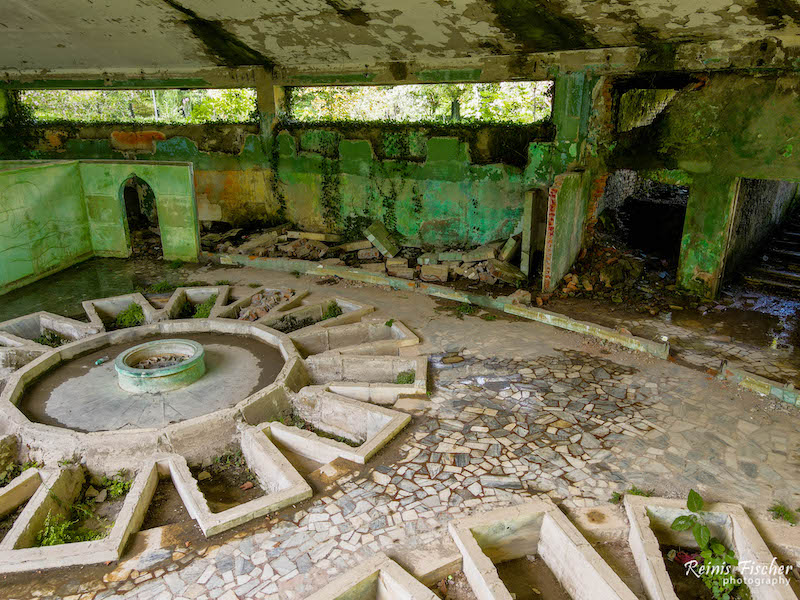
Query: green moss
(406, 377)
(203, 310)
(133, 316)
(294, 420)
(331, 310)
(51, 338)
(782, 512)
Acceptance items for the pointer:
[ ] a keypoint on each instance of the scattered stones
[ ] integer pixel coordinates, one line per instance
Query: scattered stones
(369, 254)
(160, 362)
(519, 298)
(505, 272)
(380, 238)
(434, 273)
(203, 475)
(263, 302)
(510, 249)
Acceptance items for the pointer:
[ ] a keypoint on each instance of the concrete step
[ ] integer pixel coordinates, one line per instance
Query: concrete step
(774, 284)
(785, 254)
(777, 274)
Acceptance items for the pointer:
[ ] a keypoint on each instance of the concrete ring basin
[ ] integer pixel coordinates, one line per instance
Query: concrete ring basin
(184, 364)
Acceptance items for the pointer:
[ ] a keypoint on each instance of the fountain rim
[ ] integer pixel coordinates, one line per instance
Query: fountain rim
(123, 368)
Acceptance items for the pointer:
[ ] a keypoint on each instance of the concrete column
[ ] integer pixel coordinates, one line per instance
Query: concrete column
(706, 233)
(566, 218)
(534, 218)
(266, 101)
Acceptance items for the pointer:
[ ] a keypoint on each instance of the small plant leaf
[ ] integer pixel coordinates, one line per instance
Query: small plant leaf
(701, 534)
(718, 548)
(695, 502)
(683, 523)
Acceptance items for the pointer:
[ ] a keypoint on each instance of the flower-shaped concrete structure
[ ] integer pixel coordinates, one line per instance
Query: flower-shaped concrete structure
(327, 364)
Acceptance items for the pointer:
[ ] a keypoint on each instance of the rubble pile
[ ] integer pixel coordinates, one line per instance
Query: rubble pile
(378, 253)
(642, 283)
(263, 302)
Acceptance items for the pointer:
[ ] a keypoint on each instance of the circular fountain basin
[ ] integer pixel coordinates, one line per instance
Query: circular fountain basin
(174, 375)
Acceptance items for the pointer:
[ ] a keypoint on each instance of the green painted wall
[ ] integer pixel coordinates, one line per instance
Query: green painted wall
(564, 243)
(43, 222)
(174, 191)
(706, 233)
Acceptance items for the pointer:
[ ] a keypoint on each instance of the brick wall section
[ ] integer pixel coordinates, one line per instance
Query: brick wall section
(552, 203)
(596, 193)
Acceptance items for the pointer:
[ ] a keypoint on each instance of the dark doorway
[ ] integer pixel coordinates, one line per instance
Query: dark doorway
(142, 216)
(647, 216)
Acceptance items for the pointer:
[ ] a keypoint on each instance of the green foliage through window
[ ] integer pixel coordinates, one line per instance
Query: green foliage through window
(521, 102)
(143, 106)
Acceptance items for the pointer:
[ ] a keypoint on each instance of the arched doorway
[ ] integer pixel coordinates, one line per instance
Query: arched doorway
(142, 217)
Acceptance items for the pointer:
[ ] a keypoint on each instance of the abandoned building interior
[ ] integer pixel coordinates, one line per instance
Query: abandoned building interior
(360, 299)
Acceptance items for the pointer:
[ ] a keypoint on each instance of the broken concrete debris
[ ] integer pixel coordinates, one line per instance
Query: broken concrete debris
(381, 239)
(263, 302)
(380, 254)
(434, 273)
(505, 272)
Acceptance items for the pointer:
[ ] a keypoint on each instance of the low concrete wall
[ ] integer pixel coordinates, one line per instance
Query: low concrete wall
(657, 349)
(534, 528)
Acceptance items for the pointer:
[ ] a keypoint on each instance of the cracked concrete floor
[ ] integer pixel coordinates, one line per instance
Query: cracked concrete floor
(529, 410)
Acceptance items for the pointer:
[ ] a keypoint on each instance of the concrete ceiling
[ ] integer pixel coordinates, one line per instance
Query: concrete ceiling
(92, 36)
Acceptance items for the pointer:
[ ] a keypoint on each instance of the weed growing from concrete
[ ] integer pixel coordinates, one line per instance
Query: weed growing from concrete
(15, 470)
(133, 316)
(782, 512)
(203, 310)
(176, 264)
(406, 377)
(389, 323)
(617, 497)
(117, 485)
(223, 282)
(51, 338)
(253, 285)
(331, 310)
(718, 561)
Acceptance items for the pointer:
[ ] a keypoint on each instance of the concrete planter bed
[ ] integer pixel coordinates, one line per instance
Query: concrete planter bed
(18, 491)
(365, 338)
(372, 426)
(18, 552)
(534, 528)
(281, 483)
(233, 310)
(310, 314)
(195, 296)
(165, 450)
(378, 578)
(650, 527)
(103, 311)
(371, 379)
(32, 326)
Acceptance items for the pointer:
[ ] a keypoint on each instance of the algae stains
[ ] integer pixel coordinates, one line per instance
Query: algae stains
(399, 70)
(538, 25)
(224, 47)
(658, 54)
(354, 15)
(776, 13)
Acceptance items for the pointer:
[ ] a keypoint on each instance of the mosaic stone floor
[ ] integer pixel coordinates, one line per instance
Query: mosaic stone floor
(530, 410)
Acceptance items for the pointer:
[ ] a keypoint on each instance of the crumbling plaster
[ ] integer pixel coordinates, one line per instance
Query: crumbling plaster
(347, 34)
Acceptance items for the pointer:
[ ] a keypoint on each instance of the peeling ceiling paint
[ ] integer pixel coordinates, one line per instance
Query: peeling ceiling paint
(83, 35)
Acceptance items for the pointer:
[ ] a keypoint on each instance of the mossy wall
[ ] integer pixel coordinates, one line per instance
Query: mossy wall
(444, 185)
(723, 127)
(43, 221)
